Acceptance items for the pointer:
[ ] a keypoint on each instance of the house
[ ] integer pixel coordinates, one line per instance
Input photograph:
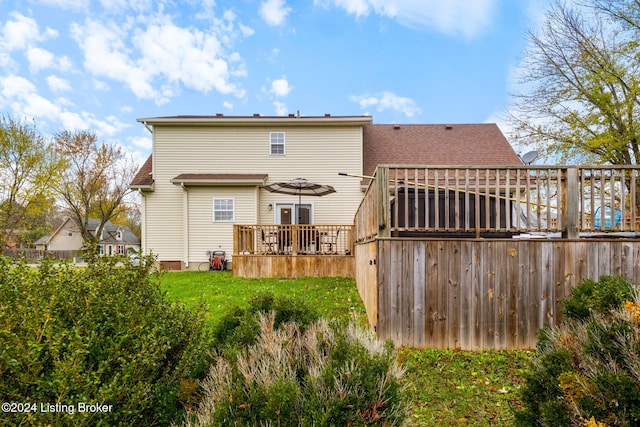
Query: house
(115, 239)
(206, 174)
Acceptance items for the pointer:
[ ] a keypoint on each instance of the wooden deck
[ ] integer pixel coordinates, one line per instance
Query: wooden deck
(271, 250)
(480, 258)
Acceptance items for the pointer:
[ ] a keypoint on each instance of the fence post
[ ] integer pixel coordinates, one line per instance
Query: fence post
(382, 175)
(571, 203)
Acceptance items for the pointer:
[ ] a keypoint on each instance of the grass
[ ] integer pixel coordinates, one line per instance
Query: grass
(334, 297)
(451, 388)
(446, 387)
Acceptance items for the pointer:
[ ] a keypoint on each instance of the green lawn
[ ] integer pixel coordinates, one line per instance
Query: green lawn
(334, 297)
(447, 388)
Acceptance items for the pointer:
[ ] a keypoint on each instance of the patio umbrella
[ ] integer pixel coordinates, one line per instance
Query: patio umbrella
(300, 187)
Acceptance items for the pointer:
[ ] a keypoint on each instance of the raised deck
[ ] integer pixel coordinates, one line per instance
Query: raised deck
(291, 250)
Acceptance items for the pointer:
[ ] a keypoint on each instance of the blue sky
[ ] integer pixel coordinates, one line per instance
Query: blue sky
(99, 65)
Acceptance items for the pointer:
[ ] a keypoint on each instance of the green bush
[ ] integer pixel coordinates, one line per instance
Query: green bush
(319, 376)
(588, 366)
(239, 327)
(101, 334)
(590, 297)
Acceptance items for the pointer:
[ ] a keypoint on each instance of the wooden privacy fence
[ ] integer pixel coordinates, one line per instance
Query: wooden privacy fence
(480, 294)
(438, 264)
(38, 255)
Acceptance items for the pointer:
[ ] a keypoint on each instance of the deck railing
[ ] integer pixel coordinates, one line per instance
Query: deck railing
(294, 239)
(495, 201)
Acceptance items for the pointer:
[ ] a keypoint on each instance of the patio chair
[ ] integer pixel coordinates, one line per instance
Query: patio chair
(268, 241)
(331, 240)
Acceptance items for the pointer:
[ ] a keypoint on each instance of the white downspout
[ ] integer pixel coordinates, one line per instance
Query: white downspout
(185, 221)
(143, 228)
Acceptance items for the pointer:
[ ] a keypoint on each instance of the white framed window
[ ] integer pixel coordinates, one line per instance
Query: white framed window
(120, 249)
(223, 209)
(276, 143)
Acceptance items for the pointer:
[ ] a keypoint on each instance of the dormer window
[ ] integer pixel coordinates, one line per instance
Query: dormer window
(119, 235)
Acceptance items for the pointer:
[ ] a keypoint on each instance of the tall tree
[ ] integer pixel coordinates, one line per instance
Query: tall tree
(581, 83)
(96, 181)
(29, 170)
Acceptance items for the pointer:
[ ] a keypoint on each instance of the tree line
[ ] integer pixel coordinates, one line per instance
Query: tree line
(73, 174)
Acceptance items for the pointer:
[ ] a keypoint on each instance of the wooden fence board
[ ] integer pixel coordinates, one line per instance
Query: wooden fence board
(466, 295)
(407, 295)
(419, 288)
(442, 292)
(522, 296)
(256, 266)
(395, 301)
(485, 294)
(453, 262)
(512, 283)
(367, 278)
(384, 280)
(431, 283)
(477, 299)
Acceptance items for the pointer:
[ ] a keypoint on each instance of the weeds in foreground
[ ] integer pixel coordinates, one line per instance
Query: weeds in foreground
(321, 375)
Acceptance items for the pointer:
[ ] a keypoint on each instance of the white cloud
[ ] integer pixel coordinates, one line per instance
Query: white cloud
(388, 101)
(246, 31)
(39, 59)
(106, 55)
(159, 57)
(142, 142)
(21, 97)
(281, 108)
(57, 84)
(451, 16)
(67, 4)
(100, 85)
(280, 87)
(274, 12)
(19, 33)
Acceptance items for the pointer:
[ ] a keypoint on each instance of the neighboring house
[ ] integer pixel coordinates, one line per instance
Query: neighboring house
(205, 172)
(115, 239)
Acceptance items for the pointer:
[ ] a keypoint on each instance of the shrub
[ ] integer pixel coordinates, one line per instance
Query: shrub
(590, 297)
(321, 375)
(101, 334)
(239, 327)
(586, 370)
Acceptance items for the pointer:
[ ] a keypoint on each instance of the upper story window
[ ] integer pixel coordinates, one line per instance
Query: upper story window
(223, 210)
(276, 142)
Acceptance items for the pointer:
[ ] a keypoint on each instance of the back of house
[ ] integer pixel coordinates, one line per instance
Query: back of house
(206, 172)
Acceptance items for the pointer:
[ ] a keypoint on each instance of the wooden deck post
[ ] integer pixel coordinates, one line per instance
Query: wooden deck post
(382, 187)
(570, 203)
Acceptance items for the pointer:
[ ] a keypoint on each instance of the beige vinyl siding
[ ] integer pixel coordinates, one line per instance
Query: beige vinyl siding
(316, 153)
(62, 241)
(204, 233)
(163, 223)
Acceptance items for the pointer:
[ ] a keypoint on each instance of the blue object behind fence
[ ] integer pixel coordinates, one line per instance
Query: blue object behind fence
(597, 217)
